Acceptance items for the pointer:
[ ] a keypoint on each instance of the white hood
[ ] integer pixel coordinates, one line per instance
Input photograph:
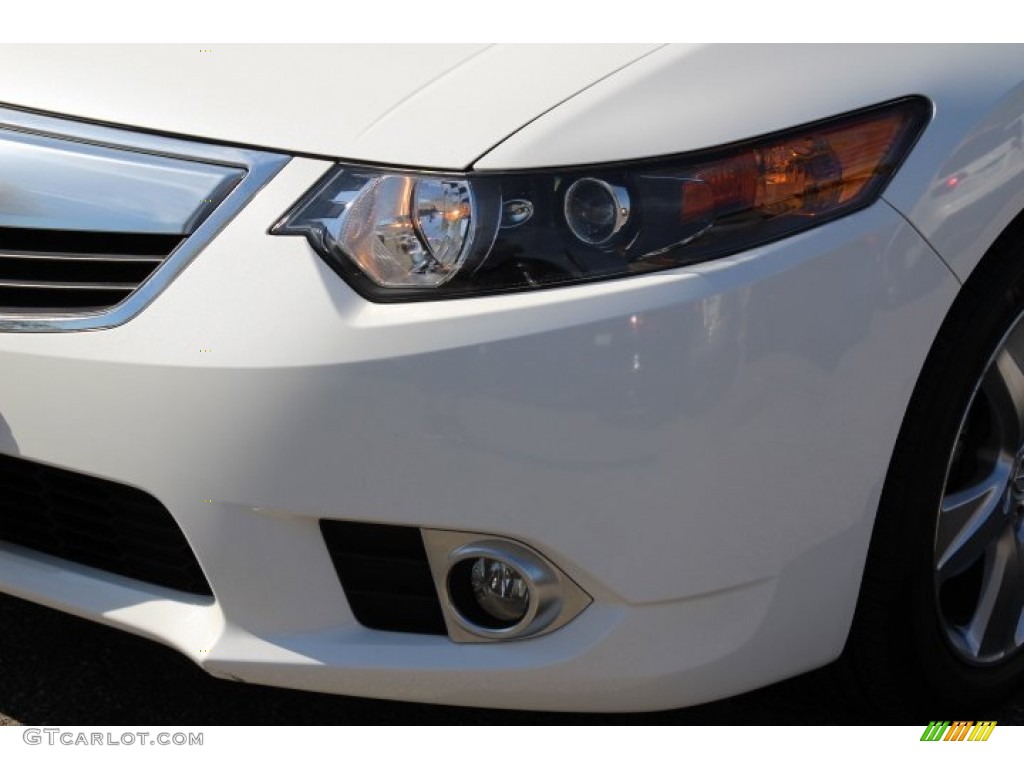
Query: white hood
(438, 106)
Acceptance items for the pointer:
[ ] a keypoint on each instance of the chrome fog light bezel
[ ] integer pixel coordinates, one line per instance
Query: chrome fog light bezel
(540, 579)
(554, 598)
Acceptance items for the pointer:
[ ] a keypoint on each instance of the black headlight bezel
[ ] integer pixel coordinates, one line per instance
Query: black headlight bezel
(916, 109)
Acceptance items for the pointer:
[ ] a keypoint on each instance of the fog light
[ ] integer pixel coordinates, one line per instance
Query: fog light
(497, 589)
(500, 590)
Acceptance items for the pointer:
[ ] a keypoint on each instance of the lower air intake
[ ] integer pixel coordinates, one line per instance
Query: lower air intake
(386, 576)
(95, 522)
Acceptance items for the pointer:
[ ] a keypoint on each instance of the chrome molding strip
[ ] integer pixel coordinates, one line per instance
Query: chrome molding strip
(260, 167)
(51, 183)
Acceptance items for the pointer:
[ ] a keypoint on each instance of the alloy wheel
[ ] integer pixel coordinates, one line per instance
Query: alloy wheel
(979, 534)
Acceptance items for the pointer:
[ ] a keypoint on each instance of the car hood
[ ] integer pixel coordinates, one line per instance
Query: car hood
(438, 106)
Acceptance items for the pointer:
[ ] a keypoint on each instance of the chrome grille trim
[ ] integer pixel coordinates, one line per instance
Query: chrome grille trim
(57, 256)
(258, 166)
(63, 184)
(65, 285)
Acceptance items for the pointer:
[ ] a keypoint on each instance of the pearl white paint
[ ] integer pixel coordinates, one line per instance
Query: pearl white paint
(439, 106)
(702, 450)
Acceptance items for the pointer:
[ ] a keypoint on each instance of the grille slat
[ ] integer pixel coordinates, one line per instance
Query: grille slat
(54, 285)
(44, 300)
(78, 257)
(95, 522)
(386, 576)
(75, 271)
(60, 270)
(77, 241)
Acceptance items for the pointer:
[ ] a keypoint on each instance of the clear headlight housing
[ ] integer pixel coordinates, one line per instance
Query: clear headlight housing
(398, 235)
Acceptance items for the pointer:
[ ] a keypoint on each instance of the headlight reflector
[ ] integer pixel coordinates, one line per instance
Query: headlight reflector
(402, 236)
(401, 230)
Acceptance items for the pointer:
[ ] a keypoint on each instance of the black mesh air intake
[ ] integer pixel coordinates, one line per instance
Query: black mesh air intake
(386, 576)
(95, 522)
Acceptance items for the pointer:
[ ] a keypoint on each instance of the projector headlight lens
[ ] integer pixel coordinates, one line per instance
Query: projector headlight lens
(595, 210)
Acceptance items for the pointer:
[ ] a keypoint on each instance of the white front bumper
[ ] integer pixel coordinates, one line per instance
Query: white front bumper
(701, 450)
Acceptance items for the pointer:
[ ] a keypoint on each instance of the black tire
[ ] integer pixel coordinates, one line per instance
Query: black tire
(900, 658)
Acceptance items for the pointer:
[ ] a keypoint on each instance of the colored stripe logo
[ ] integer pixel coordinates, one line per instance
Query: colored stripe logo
(960, 730)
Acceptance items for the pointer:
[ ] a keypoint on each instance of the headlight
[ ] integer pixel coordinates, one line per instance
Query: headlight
(400, 235)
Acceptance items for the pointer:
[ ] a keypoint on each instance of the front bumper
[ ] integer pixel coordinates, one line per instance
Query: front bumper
(702, 451)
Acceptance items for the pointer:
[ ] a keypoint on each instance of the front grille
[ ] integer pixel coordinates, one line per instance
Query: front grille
(95, 522)
(62, 271)
(95, 221)
(386, 576)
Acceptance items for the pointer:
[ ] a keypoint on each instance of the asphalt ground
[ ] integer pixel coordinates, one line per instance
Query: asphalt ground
(57, 669)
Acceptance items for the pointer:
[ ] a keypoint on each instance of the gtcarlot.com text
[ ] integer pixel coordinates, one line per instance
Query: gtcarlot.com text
(73, 738)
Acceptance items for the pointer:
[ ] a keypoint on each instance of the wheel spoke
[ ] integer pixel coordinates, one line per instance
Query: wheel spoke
(994, 627)
(1003, 385)
(969, 520)
(978, 556)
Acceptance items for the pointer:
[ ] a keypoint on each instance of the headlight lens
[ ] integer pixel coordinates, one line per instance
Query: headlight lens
(400, 230)
(404, 236)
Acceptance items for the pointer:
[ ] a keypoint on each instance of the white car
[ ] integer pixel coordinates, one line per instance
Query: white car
(571, 378)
